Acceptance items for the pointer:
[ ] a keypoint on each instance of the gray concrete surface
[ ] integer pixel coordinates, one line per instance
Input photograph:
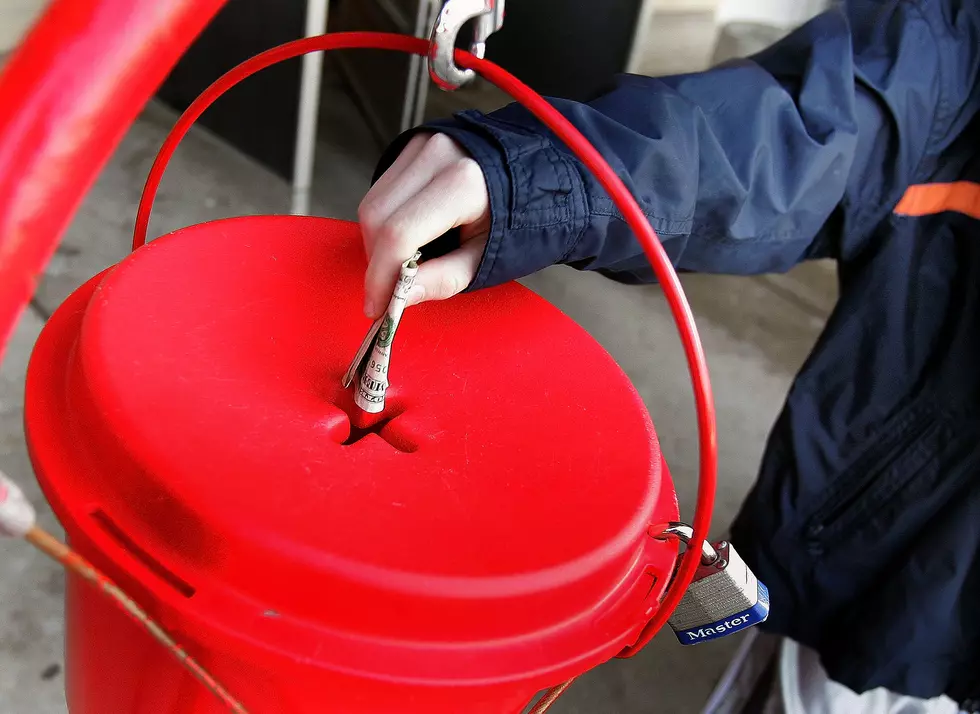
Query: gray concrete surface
(756, 333)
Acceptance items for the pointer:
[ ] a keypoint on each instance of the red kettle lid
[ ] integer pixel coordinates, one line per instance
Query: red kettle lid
(191, 397)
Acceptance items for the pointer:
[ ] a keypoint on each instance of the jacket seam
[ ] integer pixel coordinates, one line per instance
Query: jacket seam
(589, 210)
(583, 206)
(496, 240)
(559, 210)
(609, 209)
(786, 236)
(942, 100)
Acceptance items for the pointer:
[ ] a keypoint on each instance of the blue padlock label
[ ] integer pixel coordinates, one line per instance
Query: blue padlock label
(730, 625)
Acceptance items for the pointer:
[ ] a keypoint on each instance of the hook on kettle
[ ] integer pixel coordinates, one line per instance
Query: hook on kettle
(489, 16)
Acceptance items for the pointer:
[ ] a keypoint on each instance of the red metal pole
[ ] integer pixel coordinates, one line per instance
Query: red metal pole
(67, 97)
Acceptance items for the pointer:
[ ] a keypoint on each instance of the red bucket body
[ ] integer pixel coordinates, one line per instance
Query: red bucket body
(482, 539)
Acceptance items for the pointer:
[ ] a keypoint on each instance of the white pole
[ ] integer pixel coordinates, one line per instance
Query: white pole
(641, 31)
(415, 67)
(309, 106)
(422, 94)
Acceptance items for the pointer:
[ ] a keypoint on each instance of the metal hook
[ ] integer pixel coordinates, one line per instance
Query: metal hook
(684, 533)
(489, 16)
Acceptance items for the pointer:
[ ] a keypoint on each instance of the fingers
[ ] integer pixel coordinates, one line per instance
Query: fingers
(404, 159)
(455, 197)
(449, 275)
(406, 175)
(424, 158)
(431, 189)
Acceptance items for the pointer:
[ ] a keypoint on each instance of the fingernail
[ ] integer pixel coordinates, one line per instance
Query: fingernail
(416, 294)
(369, 308)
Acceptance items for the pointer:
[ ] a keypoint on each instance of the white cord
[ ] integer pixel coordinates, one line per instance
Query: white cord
(17, 515)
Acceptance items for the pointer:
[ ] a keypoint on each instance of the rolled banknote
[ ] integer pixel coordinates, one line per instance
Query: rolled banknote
(370, 365)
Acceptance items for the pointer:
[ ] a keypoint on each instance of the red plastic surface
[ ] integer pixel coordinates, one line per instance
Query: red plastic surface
(621, 196)
(185, 418)
(98, 44)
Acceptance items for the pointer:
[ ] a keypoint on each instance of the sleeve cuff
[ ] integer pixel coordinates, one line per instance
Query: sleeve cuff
(537, 202)
(491, 161)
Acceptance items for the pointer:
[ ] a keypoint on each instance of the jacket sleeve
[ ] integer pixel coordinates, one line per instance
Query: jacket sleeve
(739, 168)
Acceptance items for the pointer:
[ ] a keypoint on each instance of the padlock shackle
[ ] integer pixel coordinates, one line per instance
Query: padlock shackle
(684, 533)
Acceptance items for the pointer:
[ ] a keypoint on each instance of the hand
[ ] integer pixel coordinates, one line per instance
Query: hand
(433, 187)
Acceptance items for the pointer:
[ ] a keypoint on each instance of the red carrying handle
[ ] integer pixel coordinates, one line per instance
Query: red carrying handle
(624, 200)
(79, 80)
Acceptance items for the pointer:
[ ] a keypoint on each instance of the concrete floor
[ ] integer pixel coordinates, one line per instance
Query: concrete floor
(756, 332)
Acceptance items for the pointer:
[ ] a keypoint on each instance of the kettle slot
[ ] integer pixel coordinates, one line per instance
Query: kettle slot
(397, 441)
(359, 432)
(363, 425)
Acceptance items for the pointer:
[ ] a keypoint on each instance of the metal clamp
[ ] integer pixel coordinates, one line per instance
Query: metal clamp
(489, 16)
(684, 533)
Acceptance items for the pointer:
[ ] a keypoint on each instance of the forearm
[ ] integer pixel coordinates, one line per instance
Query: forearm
(737, 168)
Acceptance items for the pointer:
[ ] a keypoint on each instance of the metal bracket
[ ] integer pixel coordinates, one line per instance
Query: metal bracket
(684, 533)
(489, 16)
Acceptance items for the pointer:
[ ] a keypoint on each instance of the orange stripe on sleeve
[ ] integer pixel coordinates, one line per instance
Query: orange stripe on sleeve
(930, 198)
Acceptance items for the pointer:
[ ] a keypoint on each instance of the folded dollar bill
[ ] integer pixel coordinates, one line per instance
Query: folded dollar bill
(370, 366)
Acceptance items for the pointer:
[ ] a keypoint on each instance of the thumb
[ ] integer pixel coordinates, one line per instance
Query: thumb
(449, 275)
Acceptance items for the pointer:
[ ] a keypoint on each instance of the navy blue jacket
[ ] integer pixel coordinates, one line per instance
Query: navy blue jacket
(865, 520)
